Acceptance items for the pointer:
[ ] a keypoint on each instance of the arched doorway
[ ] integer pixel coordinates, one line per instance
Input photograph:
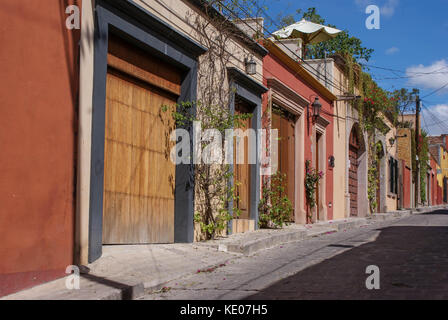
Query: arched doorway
(353, 154)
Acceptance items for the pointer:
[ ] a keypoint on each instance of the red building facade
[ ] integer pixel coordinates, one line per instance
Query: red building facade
(292, 91)
(39, 89)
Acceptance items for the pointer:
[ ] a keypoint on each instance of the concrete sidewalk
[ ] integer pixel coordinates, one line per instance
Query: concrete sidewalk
(126, 272)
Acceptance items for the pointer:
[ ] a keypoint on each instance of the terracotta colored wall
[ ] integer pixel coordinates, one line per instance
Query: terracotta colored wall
(433, 181)
(406, 186)
(439, 195)
(38, 94)
(273, 67)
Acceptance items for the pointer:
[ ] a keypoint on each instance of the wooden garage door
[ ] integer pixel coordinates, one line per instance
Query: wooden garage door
(284, 123)
(139, 177)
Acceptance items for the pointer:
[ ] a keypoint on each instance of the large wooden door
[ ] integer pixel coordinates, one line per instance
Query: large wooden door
(139, 177)
(353, 173)
(284, 123)
(318, 195)
(242, 173)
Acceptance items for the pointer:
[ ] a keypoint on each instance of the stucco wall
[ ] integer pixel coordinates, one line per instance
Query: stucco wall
(274, 67)
(340, 194)
(38, 90)
(388, 198)
(345, 117)
(180, 15)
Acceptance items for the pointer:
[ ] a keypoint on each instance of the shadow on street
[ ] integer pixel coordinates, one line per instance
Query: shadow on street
(413, 263)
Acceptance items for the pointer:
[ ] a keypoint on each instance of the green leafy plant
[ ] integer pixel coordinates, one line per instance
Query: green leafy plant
(372, 186)
(275, 207)
(215, 193)
(342, 43)
(312, 178)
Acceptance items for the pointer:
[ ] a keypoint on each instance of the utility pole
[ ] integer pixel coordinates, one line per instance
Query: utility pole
(417, 141)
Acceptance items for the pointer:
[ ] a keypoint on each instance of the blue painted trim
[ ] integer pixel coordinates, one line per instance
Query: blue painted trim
(144, 30)
(251, 91)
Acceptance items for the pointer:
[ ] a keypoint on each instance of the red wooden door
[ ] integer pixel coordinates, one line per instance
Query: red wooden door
(286, 153)
(353, 173)
(318, 142)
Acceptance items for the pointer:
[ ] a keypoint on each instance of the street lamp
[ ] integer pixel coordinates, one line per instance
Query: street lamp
(316, 108)
(251, 66)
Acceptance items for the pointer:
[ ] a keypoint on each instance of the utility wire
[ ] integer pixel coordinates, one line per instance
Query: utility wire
(435, 91)
(440, 123)
(395, 70)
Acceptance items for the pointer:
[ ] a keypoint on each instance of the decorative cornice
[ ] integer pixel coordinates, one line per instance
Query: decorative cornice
(322, 122)
(241, 78)
(287, 92)
(208, 9)
(146, 18)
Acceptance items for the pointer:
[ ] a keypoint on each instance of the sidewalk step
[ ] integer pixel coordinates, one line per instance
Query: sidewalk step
(249, 247)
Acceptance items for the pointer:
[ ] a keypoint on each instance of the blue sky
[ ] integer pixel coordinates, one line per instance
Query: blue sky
(413, 39)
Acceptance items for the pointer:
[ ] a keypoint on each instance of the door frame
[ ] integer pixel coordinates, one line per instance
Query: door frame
(354, 145)
(292, 120)
(144, 30)
(290, 100)
(251, 91)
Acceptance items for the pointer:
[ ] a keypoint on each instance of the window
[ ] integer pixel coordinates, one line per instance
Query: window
(393, 175)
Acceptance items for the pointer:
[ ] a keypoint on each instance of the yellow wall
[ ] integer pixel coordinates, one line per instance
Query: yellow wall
(340, 210)
(443, 166)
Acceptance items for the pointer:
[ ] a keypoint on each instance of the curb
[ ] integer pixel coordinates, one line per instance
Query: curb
(254, 246)
(137, 290)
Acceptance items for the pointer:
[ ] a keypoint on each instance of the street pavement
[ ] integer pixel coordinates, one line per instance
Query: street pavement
(411, 254)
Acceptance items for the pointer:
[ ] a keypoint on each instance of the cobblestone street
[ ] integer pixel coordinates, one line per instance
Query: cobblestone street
(411, 254)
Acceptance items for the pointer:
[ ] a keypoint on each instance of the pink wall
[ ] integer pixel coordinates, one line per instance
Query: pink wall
(406, 186)
(274, 68)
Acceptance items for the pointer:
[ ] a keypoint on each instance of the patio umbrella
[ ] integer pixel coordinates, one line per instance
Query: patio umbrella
(309, 32)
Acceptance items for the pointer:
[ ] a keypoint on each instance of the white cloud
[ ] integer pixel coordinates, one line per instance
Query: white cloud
(387, 7)
(433, 76)
(392, 50)
(435, 121)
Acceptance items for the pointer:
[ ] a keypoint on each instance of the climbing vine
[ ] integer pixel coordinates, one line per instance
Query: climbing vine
(216, 202)
(312, 178)
(423, 161)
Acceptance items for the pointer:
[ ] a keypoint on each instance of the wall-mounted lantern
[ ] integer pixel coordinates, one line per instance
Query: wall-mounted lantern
(331, 161)
(391, 141)
(316, 108)
(251, 66)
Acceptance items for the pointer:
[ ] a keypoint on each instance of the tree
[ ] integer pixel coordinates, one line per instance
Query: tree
(404, 101)
(342, 44)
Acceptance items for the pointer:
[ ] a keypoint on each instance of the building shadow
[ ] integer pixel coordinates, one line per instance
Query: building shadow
(128, 292)
(413, 264)
(438, 212)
